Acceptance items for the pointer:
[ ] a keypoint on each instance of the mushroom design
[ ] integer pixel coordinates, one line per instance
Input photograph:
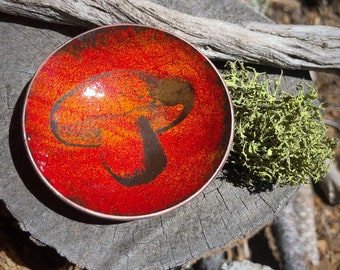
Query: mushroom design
(123, 111)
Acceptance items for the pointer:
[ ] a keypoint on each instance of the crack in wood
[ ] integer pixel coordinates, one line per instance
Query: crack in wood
(208, 222)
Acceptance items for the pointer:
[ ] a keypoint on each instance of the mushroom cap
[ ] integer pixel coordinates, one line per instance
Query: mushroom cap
(78, 117)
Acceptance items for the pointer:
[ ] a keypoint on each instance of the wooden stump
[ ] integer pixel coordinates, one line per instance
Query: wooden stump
(223, 213)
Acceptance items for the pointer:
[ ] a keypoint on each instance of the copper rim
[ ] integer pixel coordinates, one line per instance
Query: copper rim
(118, 217)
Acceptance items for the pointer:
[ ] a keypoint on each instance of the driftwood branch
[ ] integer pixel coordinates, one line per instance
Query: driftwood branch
(284, 46)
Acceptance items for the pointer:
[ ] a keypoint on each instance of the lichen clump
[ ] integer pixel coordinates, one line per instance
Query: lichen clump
(280, 138)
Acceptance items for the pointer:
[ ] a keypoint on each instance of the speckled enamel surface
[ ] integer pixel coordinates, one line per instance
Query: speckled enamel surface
(127, 121)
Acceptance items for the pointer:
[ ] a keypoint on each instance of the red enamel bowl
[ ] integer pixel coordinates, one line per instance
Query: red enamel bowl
(126, 122)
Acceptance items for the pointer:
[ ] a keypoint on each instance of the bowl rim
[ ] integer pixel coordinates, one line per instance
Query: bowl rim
(113, 217)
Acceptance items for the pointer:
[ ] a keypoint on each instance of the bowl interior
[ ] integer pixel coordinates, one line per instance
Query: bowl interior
(127, 121)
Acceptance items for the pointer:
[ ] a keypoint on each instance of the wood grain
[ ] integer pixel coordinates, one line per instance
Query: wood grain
(285, 46)
(223, 213)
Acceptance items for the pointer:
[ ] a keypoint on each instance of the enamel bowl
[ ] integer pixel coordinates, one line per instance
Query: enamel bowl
(126, 122)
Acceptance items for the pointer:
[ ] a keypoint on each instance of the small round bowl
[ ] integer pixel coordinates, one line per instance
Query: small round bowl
(126, 122)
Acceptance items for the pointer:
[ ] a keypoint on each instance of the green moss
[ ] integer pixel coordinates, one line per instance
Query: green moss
(279, 137)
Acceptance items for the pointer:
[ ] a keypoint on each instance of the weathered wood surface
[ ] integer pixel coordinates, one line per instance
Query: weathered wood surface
(285, 46)
(295, 231)
(224, 212)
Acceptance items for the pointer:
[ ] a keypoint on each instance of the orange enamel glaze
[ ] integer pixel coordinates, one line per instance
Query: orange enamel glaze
(99, 101)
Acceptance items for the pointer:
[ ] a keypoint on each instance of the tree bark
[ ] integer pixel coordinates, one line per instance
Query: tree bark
(284, 46)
